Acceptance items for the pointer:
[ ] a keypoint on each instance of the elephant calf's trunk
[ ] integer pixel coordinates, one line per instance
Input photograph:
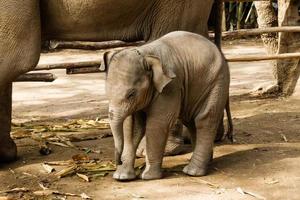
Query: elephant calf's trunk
(117, 131)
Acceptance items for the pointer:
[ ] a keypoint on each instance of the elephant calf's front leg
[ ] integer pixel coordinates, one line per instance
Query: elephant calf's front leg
(156, 138)
(134, 129)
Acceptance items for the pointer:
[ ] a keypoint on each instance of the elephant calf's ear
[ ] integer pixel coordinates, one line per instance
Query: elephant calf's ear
(107, 56)
(161, 78)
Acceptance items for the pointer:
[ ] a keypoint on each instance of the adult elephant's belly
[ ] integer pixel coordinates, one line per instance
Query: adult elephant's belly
(94, 20)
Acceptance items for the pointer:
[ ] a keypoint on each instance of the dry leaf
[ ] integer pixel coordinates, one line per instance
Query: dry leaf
(84, 196)
(284, 137)
(41, 184)
(15, 190)
(6, 198)
(44, 192)
(59, 144)
(48, 168)
(60, 163)
(240, 191)
(81, 157)
(243, 192)
(255, 195)
(84, 177)
(66, 171)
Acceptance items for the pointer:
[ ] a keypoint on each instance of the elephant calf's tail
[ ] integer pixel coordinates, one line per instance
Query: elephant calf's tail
(229, 133)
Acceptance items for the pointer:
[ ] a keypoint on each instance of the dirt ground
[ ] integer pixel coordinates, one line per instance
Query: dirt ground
(263, 162)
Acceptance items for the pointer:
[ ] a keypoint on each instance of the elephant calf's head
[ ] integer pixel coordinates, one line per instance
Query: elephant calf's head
(132, 78)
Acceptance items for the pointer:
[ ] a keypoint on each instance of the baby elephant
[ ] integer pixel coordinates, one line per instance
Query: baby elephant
(179, 76)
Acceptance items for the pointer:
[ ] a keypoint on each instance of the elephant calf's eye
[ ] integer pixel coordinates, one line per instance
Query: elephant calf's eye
(131, 94)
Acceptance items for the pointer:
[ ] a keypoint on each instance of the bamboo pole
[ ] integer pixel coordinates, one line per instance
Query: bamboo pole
(247, 58)
(36, 77)
(55, 44)
(258, 31)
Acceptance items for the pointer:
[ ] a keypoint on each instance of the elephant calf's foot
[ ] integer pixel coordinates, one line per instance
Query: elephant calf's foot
(195, 170)
(152, 172)
(124, 173)
(8, 150)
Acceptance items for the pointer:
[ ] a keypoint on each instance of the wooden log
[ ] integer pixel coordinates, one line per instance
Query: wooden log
(55, 44)
(91, 63)
(247, 58)
(258, 31)
(36, 77)
(83, 70)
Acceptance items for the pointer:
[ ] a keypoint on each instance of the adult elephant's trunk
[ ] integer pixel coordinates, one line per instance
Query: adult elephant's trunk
(116, 125)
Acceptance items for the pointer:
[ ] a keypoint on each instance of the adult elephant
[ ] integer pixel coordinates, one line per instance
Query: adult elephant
(24, 25)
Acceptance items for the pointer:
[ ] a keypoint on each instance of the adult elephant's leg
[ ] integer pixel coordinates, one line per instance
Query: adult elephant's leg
(8, 150)
(134, 130)
(20, 37)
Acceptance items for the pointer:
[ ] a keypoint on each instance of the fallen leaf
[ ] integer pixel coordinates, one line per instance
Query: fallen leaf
(284, 137)
(80, 157)
(137, 196)
(48, 168)
(66, 171)
(45, 192)
(6, 198)
(41, 184)
(84, 177)
(15, 190)
(60, 163)
(59, 144)
(240, 191)
(85, 196)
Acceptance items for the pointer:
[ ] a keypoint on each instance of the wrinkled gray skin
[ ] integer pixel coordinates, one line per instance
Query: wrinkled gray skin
(179, 76)
(25, 24)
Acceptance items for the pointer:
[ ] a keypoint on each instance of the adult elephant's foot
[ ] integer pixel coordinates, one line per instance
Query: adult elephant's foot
(269, 91)
(152, 172)
(8, 150)
(174, 146)
(124, 173)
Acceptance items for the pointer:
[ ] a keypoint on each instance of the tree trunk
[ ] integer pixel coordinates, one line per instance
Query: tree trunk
(267, 18)
(288, 71)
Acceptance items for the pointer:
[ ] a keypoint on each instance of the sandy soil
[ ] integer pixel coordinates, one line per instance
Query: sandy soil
(260, 161)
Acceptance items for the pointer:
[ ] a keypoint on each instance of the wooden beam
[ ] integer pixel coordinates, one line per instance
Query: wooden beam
(83, 70)
(248, 58)
(55, 44)
(91, 63)
(36, 77)
(258, 31)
